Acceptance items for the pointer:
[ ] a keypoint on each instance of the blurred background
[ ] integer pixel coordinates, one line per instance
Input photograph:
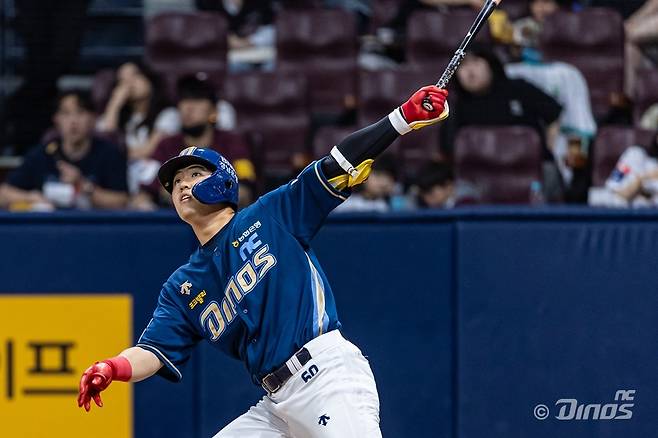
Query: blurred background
(549, 158)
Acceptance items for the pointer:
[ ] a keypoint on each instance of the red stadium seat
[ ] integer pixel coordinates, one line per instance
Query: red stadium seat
(433, 37)
(179, 44)
(329, 136)
(593, 41)
(101, 88)
(610, 143)
(515, 8)
(646, 91)
(323, 45)
(272, 111)
(502, 162)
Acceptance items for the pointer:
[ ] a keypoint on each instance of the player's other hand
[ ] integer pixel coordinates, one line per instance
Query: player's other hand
(95, 379)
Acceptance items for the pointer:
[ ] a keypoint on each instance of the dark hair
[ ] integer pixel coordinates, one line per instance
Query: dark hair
(82, 97)
(495, 64)
(435, 173)
(157, 101)
(195, 87)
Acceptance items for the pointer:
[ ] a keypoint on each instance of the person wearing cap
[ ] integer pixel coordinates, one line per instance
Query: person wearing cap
(197, 109)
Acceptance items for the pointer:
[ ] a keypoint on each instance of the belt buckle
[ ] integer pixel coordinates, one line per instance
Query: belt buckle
(267, 387)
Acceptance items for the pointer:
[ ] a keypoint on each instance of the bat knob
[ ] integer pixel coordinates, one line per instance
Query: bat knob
(427, 104)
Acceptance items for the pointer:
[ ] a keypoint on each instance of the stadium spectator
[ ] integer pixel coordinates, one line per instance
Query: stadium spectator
(641, 41)
(250, 25)
(435, 187)
(198, 113)
(76, 170)
(486, 96)
(564, 82)
(378, 191)
(136, 112)
(634, 180)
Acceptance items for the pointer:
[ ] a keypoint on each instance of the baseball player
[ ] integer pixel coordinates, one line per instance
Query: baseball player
(255, 290)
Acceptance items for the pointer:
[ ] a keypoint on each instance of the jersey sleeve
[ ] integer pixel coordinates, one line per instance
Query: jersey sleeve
(170, 337)
(302, 205)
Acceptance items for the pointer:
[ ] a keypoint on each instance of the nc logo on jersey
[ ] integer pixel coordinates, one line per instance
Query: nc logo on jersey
(185, 288)
(309, 373)
(246, 234)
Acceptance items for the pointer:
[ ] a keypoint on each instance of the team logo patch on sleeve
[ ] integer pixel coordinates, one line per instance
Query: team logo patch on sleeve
(185, 288)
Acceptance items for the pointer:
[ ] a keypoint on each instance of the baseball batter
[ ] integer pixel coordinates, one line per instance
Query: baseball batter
(255, 290)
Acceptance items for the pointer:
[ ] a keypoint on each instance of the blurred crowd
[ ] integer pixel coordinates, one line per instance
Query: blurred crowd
(536, 117)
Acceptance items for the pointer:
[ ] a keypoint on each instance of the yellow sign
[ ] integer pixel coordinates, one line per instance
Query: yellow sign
(46, 342)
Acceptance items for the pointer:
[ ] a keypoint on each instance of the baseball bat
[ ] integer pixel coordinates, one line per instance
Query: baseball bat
(458, 57)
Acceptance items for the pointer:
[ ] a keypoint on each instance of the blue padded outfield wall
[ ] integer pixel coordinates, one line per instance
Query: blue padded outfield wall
(477, 323)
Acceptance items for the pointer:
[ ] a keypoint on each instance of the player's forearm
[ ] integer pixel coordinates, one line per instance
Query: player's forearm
(367, 143)
(144, 363)
(354, 155)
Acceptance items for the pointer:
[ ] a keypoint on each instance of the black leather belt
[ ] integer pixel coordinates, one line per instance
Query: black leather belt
(277, 378)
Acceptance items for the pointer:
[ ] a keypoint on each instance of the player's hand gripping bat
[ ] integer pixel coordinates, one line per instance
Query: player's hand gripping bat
(459, 55)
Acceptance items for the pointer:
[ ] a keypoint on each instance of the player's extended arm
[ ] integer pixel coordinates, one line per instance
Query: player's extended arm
(349, 162)
(131, 365)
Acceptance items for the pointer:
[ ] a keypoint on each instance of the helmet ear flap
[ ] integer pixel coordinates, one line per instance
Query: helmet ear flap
(217, 188)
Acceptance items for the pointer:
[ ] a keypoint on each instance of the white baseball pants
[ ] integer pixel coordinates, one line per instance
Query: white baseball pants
(338, 399)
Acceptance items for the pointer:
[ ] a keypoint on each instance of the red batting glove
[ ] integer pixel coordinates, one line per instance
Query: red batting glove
(98, 377)
(426, 106)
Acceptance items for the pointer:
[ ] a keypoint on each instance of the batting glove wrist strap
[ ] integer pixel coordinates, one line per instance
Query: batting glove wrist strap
(121, 368)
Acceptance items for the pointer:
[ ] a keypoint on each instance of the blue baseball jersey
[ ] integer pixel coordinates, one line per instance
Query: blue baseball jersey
(256, 290)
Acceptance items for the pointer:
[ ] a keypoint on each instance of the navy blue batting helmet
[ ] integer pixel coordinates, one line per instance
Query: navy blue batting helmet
(221, 186)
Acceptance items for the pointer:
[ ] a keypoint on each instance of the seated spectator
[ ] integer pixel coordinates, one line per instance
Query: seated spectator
(136, 112)
(564, 82)
(633, 182)
(435, 187)
(76, 170)
(377, 192)
(250, 24)
(486, 96)
(198, 114)
(641, 42)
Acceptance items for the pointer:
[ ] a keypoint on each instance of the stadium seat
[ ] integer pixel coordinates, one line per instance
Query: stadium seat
(383, 90)
(502, 162)
(323, 45)
(433, 37)
(610, 143)
(515, 8)
(329, 136)
(593, 41)
(272, 111)
(101, 88)
(383, 12)
(646, 91)
(179, 44)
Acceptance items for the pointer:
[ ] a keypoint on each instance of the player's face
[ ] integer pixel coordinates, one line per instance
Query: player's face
(187, 206)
